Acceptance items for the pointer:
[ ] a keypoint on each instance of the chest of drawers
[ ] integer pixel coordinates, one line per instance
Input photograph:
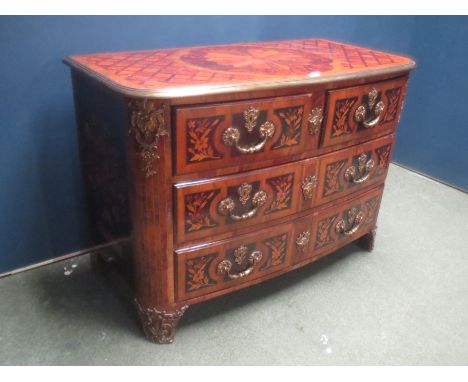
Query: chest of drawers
(230, 165)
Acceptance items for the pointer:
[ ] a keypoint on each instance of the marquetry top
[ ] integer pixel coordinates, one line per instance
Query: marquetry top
(179, 72)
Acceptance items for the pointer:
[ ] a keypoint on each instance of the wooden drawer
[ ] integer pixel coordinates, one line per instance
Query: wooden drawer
(224, 135)
(226, 264)
(210, 268)
(331, 228)
(208, 207)
(350, 170)
(363, 111)
(215, 206)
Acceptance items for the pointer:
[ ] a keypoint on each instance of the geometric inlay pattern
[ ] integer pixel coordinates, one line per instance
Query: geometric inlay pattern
(235, 64)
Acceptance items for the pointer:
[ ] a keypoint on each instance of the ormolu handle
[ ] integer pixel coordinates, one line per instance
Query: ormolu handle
(354, 222)
(226, 206)
(361, 112)
(225, 266)
(231, 137)
(360, 173)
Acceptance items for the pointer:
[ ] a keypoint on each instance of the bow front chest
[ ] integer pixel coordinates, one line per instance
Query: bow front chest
(229, 165)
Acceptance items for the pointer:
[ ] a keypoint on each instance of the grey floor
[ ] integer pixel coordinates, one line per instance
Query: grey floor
(406, 303)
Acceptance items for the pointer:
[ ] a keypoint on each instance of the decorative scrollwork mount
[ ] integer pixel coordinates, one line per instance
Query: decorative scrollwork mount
(302, 240)
(159, 325)
(250, 118)
(308, 187)
(147, 122)
(315, 120)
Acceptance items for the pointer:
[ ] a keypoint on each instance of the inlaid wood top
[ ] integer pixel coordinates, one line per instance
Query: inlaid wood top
(224, 68)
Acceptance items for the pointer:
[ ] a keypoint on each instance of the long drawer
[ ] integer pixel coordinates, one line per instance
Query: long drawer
(225, 264)
(229, 134)
(215, 206)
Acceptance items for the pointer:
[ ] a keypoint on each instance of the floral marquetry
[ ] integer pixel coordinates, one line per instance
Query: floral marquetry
(197, 272)
(341, 117)
(371, 207)
(200, 145)
(383, 159)
(324, 229)
(393, 100)
(291, 125)
(197, 207)
(276, 250)
(333, 182)
(282, 189)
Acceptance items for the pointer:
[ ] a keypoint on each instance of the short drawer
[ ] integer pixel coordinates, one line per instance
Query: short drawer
(229, 134)
(362, 111)
(211, 268)
(214, 206)
(331, 228)
(351, 170)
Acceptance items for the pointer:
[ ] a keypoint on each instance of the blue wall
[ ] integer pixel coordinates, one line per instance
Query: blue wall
(41, 200)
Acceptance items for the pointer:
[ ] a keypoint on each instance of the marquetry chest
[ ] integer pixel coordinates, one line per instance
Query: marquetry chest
(228, 165)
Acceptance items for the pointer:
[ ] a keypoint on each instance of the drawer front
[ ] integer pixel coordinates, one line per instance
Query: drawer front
(207, 208)
(229, 263)
(362, 111)
(353, 169)
(232, 262)
(331, 228)
(224, 135)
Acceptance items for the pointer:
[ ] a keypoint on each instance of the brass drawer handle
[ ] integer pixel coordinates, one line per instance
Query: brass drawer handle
(354, 222)
(362, 172)
(302, 240)
(225, 266)
(308, 187)
(226, 206)
(231, 135)
(361, 113)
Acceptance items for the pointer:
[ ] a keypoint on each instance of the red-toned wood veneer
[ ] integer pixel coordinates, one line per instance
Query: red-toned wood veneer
(380, 106)
(280, 246)
(202, 131)
(167, 136)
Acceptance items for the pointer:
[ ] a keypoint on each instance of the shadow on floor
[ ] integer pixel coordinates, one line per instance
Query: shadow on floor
(106, 298)
(264, 290)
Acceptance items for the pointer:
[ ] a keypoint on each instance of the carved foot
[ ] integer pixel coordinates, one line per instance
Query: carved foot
(367, 241)
(160, 325)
